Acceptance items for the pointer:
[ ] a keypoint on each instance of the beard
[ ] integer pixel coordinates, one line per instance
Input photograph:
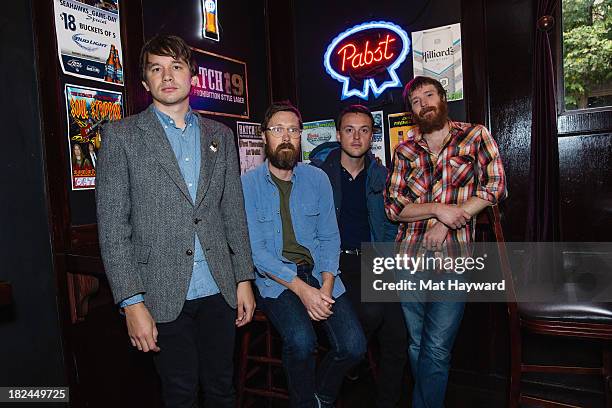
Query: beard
(435, 122)
(285, 156)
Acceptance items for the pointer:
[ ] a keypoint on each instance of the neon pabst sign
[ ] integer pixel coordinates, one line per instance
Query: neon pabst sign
(365, 58)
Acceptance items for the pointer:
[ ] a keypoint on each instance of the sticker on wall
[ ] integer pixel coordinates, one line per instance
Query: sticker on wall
(437, 54)
(89, 39)
(399, 126)
(378, 138)
(250, 146)
(316, 133)
(221, 87)
(210, 20)
(87, 109)
(365, 58)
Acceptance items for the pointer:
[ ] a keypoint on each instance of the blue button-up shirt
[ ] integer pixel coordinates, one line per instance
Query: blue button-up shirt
(314, 222)
(186, 147)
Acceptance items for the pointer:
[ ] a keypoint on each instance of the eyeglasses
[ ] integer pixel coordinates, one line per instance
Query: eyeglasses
(279, 131)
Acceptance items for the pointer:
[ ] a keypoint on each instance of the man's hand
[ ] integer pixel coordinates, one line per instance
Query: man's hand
(141, 327)
(317, 302)
(435, 237)
(451, 215)
(246, 303)
(328, 285)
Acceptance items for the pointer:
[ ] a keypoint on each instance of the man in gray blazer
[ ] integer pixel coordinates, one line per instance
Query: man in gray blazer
(173, 232)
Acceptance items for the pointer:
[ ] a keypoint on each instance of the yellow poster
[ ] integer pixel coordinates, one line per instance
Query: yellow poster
(399, 126)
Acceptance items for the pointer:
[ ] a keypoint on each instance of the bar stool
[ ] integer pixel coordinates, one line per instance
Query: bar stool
(260, 351)
(267, 342)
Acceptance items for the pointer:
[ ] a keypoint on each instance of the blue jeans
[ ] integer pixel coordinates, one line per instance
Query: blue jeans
(433, 323)
(348, 345)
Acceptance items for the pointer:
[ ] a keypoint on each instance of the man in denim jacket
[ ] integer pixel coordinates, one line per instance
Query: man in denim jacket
(296, 245)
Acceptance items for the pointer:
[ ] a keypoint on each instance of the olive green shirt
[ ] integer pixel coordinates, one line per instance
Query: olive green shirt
(292, 250)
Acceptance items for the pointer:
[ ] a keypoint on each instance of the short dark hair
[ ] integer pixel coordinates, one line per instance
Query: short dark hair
(167, 46)
(418, 82)
(280, 106)
(354, 109)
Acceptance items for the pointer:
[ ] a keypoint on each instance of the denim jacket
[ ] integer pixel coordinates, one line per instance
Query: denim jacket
(315, 226)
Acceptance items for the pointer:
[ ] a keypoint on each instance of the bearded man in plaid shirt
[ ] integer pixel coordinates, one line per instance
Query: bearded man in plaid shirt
(442, 176)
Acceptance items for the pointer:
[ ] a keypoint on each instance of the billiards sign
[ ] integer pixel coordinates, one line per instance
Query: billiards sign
(366, 57)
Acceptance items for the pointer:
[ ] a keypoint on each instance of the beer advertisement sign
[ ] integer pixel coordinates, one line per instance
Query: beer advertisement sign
(89, 39)
(399, 126)
(210, 20)
(364, 58)
(437, 54)
(250, 146)
(87, 109)
(221, 86)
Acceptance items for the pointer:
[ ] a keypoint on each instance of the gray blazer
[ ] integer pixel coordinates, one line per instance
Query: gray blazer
(147, 220)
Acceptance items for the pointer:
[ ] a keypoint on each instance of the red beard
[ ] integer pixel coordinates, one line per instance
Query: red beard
(431, 123)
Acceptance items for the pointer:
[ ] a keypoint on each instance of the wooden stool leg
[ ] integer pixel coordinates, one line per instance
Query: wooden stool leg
(242, 371)
(607, 374)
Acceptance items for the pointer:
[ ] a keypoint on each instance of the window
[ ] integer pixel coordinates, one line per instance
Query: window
(587, 54)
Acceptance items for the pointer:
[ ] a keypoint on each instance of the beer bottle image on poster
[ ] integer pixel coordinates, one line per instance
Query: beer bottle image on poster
(87, 110)
(211, 22)
(89, 39)
(118, 79)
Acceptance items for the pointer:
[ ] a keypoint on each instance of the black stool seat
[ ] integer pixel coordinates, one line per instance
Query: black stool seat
(580, 312)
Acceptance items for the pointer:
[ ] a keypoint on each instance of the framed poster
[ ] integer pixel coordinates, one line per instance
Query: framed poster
(221, 87)
(86, 110)
(89, 39)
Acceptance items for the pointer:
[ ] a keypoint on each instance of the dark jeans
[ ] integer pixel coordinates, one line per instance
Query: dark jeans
(433, 323)
(347, 342)
(386, 322)
(198, 349)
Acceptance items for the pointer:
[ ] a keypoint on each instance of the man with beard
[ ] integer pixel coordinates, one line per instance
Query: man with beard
(172, 232)
(444, 174)
(296, 246)
(358, 181)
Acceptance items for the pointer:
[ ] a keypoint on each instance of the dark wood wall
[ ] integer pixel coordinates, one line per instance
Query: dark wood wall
(30, 339)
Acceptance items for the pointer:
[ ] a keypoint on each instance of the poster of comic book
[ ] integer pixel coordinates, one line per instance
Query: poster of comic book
(316, 133)
(89, 39)
(378, 138)
(250, 146)
(399, 126)
(87, 109)
(437, 54)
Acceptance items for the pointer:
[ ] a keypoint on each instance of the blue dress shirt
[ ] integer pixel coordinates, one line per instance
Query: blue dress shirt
(186, 147)
(314, 222)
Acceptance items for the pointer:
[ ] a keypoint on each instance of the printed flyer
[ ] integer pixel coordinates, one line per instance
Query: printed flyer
(399, 126)
(316, 133)
(89, 39)
(87, 109)
(437, 54)
(378, 138)
(250, 146)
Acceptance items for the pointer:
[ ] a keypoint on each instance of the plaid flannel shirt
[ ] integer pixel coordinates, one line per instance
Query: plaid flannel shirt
(467, 165)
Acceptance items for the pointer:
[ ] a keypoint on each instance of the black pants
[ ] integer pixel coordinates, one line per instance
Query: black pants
(198, 349)
(386, 322)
